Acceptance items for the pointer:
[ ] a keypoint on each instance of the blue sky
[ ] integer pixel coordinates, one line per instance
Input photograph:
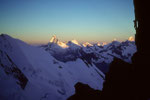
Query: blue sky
(35, 21)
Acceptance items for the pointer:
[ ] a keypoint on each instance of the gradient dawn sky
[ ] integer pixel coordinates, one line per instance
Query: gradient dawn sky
(36, 21)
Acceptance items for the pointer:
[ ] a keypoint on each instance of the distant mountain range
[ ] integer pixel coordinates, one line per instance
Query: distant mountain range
(31, 73)
(100, 54)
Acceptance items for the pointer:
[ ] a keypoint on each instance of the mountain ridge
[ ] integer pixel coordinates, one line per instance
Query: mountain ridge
(100, 54)
(55, 40)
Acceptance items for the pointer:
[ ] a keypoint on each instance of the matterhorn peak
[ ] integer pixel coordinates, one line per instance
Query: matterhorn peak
(87, 44)
(54, 39)
(131, 38)
(59, 43)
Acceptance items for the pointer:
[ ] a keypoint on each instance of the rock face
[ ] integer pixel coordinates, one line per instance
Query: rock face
(53, 39)
(84, 92)
(141, 57)
(11, 69)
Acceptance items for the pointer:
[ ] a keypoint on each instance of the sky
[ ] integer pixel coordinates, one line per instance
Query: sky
(36, 21)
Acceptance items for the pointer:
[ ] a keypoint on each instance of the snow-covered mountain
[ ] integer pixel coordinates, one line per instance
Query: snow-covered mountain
(87, 44)
(31, 73)
(50, 71)
(100, 54)
(54, 41)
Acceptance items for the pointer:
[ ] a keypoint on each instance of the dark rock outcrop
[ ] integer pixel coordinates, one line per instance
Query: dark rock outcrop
(12, 70)
(84, 92)
(118, 84)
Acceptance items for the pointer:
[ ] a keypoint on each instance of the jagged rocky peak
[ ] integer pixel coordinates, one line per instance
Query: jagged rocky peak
(131, 38)
(87, 44)
(54, 39)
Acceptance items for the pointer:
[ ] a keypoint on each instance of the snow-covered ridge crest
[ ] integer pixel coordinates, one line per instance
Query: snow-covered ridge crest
(75, 42)
(87, 44)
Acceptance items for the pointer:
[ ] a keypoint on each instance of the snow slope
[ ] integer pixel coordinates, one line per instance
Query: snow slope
(31, 73)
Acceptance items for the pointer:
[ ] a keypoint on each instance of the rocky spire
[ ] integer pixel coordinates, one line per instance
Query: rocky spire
(54, 39)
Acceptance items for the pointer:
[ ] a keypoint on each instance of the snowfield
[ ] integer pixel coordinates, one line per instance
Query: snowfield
(31, 73)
